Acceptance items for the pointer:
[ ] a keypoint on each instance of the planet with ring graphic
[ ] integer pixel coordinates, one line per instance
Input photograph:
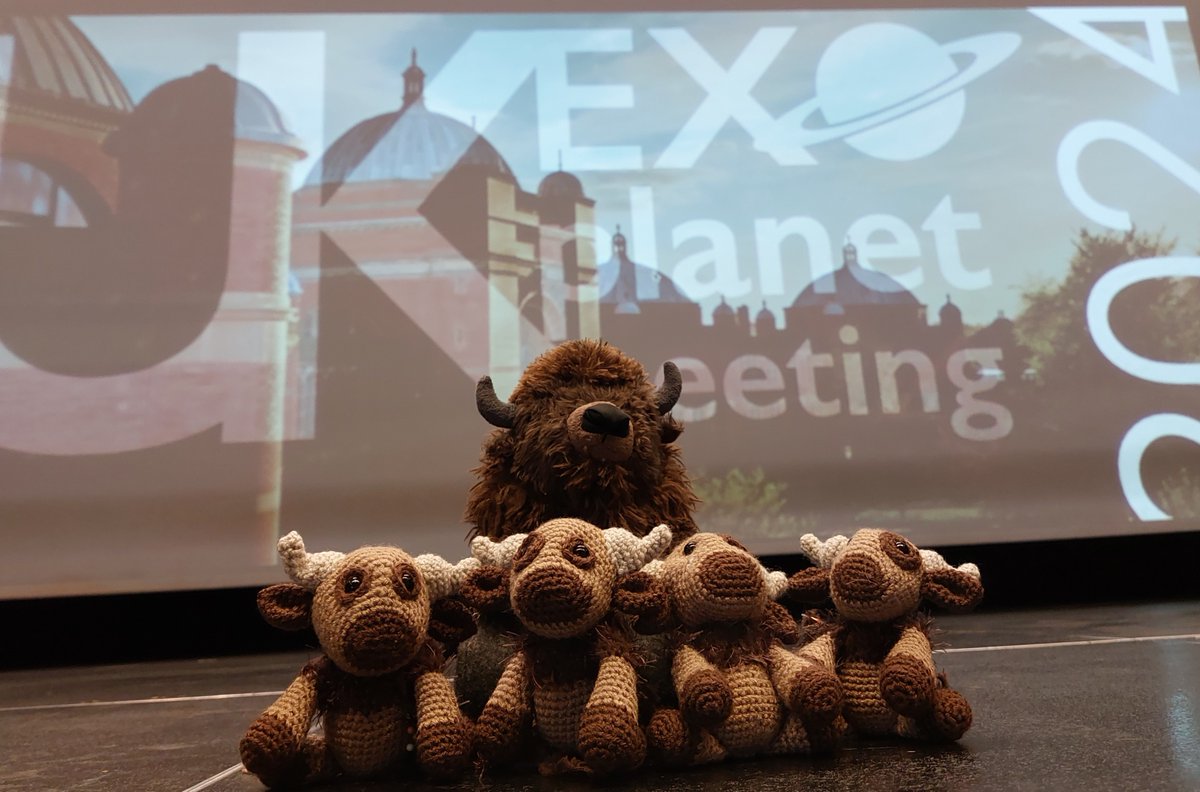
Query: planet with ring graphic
(887, 90)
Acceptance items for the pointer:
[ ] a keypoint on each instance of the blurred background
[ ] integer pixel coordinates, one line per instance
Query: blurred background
(935, 270)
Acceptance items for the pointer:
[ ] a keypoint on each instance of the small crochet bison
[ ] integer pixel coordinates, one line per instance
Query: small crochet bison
(585, 434)
(739, 689)
(574, 672)
(379, 688)
(876, 646)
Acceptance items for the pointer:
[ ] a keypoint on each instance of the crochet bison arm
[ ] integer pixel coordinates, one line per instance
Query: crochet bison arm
(705, 697)
(505, 717)
(275, 747)
(610, 738)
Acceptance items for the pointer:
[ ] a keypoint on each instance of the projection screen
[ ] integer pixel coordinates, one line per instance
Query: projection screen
(934, 269)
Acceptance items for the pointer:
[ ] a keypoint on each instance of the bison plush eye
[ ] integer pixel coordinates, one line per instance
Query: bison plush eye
(579, 554)
(352, 582)
(900, 550)
(689, 548)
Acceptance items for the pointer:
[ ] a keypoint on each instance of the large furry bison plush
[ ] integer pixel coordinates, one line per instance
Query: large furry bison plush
(585, 434)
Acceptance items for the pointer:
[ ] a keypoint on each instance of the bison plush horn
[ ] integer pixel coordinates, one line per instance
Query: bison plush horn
(777, 584)
(442, 578)
(496, 412)
(931, 559)
(493, 553)
(668, 393)
(822, 553)
(305, 568)
(632, 553)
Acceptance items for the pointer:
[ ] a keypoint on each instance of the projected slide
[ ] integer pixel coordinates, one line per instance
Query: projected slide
(935, 270)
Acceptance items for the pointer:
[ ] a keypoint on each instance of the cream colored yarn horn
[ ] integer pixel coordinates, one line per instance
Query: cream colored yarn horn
(501, 554)
(822, 553)
(630, 552)
(305, 568)
(931, 559)
(442, 578)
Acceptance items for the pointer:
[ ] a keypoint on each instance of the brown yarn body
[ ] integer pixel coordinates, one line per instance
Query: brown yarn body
(733, 677)
(378, 690)
(574, 673)
(875, 647)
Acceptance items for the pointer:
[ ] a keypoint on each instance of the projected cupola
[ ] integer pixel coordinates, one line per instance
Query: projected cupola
(414, 82)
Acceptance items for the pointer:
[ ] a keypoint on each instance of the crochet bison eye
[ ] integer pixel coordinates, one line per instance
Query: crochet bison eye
(581, 550)
(352, 583)
(689, 548)
(900, 550)
(408, 581)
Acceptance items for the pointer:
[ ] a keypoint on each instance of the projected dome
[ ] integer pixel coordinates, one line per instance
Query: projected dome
(561, 185)
(51, 57)
(852, 285)
(175, 106)
(412, 143)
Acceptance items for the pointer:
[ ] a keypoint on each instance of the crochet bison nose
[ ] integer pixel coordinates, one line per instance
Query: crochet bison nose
(731, 576)
(551, 596)
(379, 640)
(606, 419)
(858, 577)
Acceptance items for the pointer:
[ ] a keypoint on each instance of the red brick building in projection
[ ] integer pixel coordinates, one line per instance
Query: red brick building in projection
(146, 312)
(427, 208)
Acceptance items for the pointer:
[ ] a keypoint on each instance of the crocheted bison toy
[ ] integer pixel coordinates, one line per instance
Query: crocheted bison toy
(739, 689)
(574, 674)
(585, 434)
(379, 688)
(876, 646)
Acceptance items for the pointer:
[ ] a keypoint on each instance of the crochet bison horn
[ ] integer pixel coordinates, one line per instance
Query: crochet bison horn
(494, 411)
(443, 578)
(822, 553)
(631, 552)
(668, 393)
(304, 568)
(493, 553)
(931, 559)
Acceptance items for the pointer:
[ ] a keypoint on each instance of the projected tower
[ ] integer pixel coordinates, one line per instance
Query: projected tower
(431, 212)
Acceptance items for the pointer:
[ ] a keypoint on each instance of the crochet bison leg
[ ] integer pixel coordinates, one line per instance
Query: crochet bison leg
(610, 738)
(909, 684)
(443, 738)
(276, 748)
(704, 694)
(674, 743)
(506, 715)
(907, 678)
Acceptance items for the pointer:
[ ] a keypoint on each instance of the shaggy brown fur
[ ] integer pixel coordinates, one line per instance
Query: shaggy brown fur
(534, 472)
(379, 684)
(875, 648)
(736, 684)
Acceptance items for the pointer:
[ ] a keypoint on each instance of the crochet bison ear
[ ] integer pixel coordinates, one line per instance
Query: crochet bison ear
(952, 589)
(809, 586)
(486, 589)
(451, 622)
(644, 596)
(286, 606)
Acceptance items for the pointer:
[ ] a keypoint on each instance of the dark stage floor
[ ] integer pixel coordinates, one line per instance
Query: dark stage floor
(1083, 698)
